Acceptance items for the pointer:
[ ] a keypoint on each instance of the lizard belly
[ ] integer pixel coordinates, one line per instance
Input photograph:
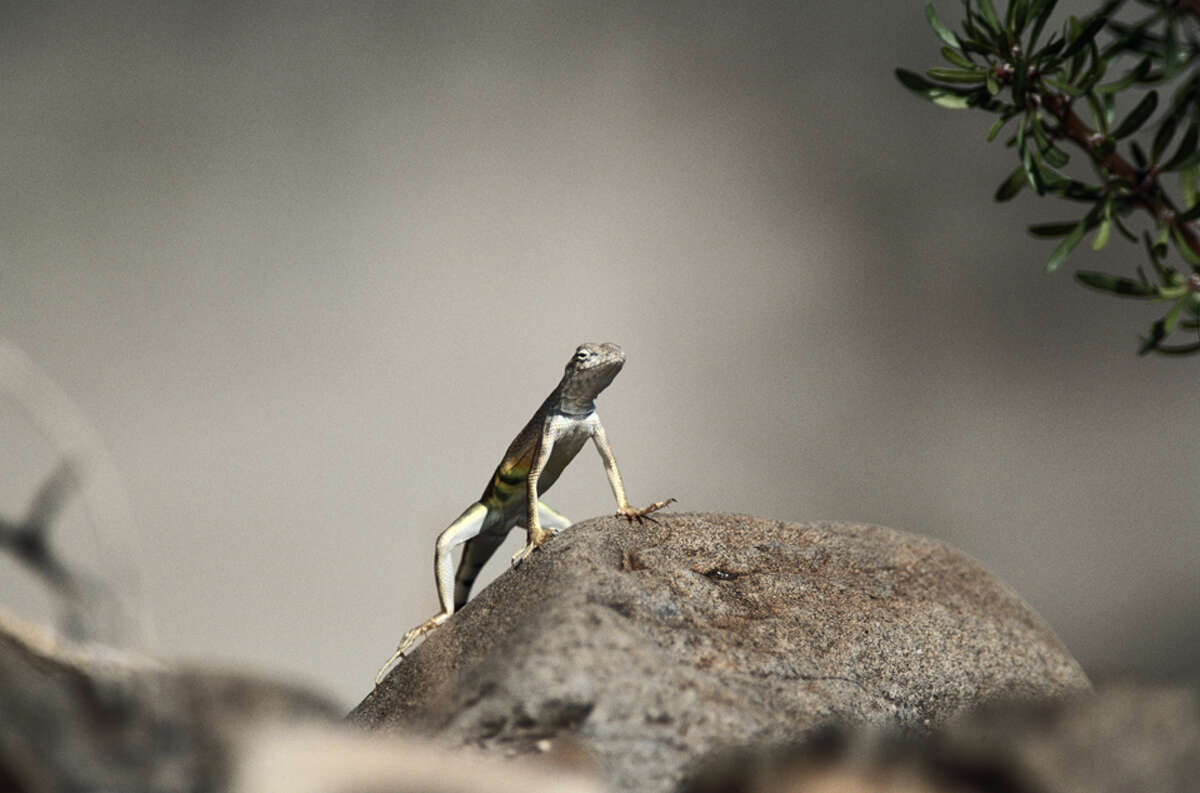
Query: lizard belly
(507, 492)
(569, 439)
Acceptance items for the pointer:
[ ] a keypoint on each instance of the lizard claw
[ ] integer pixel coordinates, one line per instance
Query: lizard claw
(523, 554)
(631, 514)
(407, 641)
(387, 667)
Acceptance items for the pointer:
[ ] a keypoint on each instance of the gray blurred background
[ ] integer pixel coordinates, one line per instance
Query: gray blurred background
(308, 268)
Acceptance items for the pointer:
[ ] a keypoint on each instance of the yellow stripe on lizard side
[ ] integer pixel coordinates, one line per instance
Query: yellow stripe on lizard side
(508, 482)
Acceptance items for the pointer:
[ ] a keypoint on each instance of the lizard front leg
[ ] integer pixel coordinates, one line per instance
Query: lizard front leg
(535, 534)
(632, 513)
(600, 438)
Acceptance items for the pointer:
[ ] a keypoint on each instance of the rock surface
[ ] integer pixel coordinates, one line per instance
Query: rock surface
(1130, 736)
(86, 717)
(1127, 737)
(652, 645)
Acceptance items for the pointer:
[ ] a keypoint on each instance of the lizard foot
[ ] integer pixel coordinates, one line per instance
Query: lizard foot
(631, 514)
(407, 641)
(534, 544)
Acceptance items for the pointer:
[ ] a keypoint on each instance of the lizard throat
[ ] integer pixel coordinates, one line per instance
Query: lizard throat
(576, 411)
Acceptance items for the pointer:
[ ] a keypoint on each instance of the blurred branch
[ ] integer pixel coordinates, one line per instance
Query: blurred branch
(28, 539)
(94, 608)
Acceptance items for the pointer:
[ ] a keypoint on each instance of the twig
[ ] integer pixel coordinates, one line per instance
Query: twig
(1144, 183)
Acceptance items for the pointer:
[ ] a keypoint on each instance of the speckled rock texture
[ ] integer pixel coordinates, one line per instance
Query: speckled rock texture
(653, 644)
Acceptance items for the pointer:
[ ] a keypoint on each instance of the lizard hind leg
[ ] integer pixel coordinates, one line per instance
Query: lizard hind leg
(466, 527)
(552, 520)
(478, 550)
(475, 555)
(550, 524)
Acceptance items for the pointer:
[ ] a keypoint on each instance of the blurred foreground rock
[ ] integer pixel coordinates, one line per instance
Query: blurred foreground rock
(1129, 737)
(88, 718)
(652, 645)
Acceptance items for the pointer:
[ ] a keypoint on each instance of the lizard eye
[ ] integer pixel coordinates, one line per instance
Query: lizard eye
(581, 354)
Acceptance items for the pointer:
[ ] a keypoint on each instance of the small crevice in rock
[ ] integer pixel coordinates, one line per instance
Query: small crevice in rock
(624, 608)
(565, 715)
(522, 728)
(839, 679)
(490, 728)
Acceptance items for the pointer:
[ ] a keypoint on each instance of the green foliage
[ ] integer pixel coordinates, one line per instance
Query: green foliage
(1064, 90)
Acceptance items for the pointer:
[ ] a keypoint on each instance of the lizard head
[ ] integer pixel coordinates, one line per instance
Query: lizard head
(590, 370)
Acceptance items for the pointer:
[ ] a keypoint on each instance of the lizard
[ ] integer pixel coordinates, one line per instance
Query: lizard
(533, 462)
